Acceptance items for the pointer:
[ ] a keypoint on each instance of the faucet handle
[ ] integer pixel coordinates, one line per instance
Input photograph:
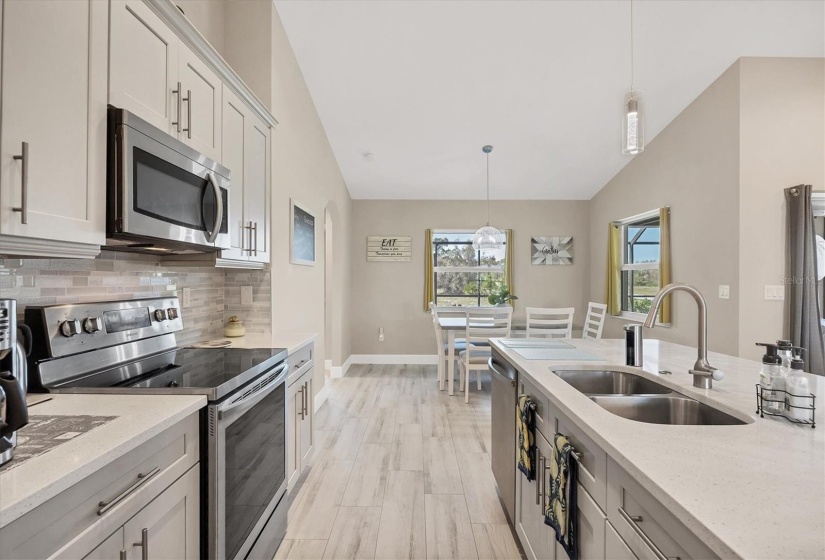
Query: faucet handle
(717, 374)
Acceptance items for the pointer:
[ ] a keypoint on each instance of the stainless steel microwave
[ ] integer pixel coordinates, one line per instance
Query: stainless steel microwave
(163, 197)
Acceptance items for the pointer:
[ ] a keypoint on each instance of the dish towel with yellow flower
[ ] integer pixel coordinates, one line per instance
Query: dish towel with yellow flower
(526, 448)
(561, 512)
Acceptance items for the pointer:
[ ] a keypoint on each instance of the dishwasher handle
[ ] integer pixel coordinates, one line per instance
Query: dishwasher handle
(509, 374)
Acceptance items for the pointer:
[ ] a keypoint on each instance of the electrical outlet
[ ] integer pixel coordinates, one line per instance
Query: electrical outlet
(774, 293)
(246, 295)
(187, 297)
(724, 291)
(380, 334)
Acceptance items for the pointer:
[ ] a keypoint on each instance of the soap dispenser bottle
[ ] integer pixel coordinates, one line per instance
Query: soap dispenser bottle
(772, 379)
(798, 388)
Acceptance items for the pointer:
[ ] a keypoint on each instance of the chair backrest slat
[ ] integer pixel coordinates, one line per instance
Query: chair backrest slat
(439, 332)
(486, 323)
(594, 321)
(550, 322)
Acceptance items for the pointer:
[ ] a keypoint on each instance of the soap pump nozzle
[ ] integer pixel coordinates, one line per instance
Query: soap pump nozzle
(771, 355)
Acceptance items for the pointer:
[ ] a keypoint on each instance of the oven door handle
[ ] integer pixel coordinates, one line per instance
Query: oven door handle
(241, 405)
(216, 228)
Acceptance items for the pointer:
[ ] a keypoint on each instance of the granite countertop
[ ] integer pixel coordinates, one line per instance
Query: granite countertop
(290, 341)
(138, 418)
(749, 491)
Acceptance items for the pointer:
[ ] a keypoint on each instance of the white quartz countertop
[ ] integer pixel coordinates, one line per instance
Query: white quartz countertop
(139, 419)
(290, 341)
(749, 491)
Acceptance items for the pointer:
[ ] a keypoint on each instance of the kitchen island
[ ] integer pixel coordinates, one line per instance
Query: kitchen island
(755, 490)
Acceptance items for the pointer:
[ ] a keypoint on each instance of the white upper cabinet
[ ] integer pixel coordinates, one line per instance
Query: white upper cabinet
(246, 153)
(235, 118)
(144, 65)
(53, 136)
(158, 78)
(201, 104)
(256, 188)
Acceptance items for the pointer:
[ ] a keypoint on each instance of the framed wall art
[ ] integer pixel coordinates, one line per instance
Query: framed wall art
(301, 235)
(551, 250)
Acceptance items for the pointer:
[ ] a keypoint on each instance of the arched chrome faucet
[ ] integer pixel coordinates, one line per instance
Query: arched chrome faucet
(703, 373)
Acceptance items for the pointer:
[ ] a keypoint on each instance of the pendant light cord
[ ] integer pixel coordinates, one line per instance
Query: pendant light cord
(488, 188)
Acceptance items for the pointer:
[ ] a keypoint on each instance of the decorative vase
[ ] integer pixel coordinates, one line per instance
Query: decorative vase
(234, 327)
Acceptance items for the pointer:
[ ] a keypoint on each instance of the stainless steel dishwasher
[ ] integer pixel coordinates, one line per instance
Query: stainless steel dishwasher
(503, 453)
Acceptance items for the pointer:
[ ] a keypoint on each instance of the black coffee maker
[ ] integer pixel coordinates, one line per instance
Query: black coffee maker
(13, 378)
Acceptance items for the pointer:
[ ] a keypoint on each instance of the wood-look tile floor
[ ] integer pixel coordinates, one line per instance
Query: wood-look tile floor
(400, 470)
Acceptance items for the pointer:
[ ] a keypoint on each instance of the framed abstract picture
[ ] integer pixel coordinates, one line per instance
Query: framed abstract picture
(301, 235)
(551, 250)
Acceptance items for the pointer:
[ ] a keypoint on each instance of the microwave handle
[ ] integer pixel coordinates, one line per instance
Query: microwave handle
(216, 229)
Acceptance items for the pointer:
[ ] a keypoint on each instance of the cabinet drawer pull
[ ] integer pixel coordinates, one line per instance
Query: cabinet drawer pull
(301, 363)
(143, 544)
(633, 521)
(142, 479)
(180, 107)
(24, 184)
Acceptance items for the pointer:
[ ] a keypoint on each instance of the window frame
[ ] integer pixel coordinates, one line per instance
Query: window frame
(480, 269)
(629, 267)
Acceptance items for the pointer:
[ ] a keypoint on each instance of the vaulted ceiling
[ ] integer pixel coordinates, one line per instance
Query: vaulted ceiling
(424, 84)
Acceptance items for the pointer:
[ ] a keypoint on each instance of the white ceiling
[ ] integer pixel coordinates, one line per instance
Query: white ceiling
(424, 84)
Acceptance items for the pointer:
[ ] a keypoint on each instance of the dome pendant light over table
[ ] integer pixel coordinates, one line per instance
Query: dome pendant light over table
(488, 237)
(633, 117)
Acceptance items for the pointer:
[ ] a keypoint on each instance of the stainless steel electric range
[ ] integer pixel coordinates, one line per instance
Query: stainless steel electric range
(130, 347)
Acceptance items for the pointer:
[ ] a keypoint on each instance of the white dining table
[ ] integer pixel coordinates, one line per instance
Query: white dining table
(453, 325)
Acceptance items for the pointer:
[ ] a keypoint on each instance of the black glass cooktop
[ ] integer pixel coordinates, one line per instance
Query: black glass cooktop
(214, 372)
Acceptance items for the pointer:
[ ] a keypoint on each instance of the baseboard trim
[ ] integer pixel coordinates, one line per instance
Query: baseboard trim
(337, 372)
(387, 359)
(327, 364)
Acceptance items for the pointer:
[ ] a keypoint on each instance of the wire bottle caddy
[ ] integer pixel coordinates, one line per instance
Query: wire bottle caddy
(799, 409)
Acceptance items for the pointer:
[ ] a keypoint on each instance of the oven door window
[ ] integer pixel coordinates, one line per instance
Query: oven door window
(169, 193)
(255, 465)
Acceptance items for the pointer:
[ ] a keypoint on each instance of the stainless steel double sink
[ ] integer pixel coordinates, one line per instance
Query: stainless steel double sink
(637, 398)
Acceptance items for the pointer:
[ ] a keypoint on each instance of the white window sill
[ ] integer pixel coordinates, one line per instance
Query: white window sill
(639, 318)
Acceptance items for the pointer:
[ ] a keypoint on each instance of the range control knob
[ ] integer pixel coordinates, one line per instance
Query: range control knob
(92, 324)
(70, 328)
(160, 314)
(172, 313)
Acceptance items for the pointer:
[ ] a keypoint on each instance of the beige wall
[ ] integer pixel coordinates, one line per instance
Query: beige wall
(253, 41)
(783, 144)
(693, 167)
(390, 295)
(722, 165)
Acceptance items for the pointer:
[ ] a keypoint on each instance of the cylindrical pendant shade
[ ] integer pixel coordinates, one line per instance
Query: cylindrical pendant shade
(633, 123)
(487, 238)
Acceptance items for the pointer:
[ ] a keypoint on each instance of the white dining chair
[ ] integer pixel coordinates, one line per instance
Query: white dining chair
(594, 320)
(482, 325)
(442, 347)
(550, 322)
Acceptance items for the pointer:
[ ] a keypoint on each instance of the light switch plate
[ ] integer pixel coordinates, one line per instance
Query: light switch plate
(724, 291)
(774, 292)
(246, 295)
(187, 297)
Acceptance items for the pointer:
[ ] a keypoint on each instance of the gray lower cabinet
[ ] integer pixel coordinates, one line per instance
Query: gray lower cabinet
(300, 413)
(617, 518)
(145, 504)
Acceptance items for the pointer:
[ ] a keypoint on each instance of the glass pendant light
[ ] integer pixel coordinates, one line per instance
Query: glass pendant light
(633, 117)
(488, 237)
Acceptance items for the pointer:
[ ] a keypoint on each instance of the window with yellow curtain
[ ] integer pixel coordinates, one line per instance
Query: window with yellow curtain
(639, 263)
(458, 275)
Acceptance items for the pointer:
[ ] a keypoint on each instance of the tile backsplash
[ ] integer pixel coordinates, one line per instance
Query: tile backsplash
(215, 292)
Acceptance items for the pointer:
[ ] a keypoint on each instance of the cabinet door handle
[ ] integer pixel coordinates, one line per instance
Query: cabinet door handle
(540, 469)
(180, 107)
(301, 410)
(142, 479)
(24, 184)
(143, 544)
(255, 237)
(633, 521)
(306, 398)
(188, 100)
(123, 554)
